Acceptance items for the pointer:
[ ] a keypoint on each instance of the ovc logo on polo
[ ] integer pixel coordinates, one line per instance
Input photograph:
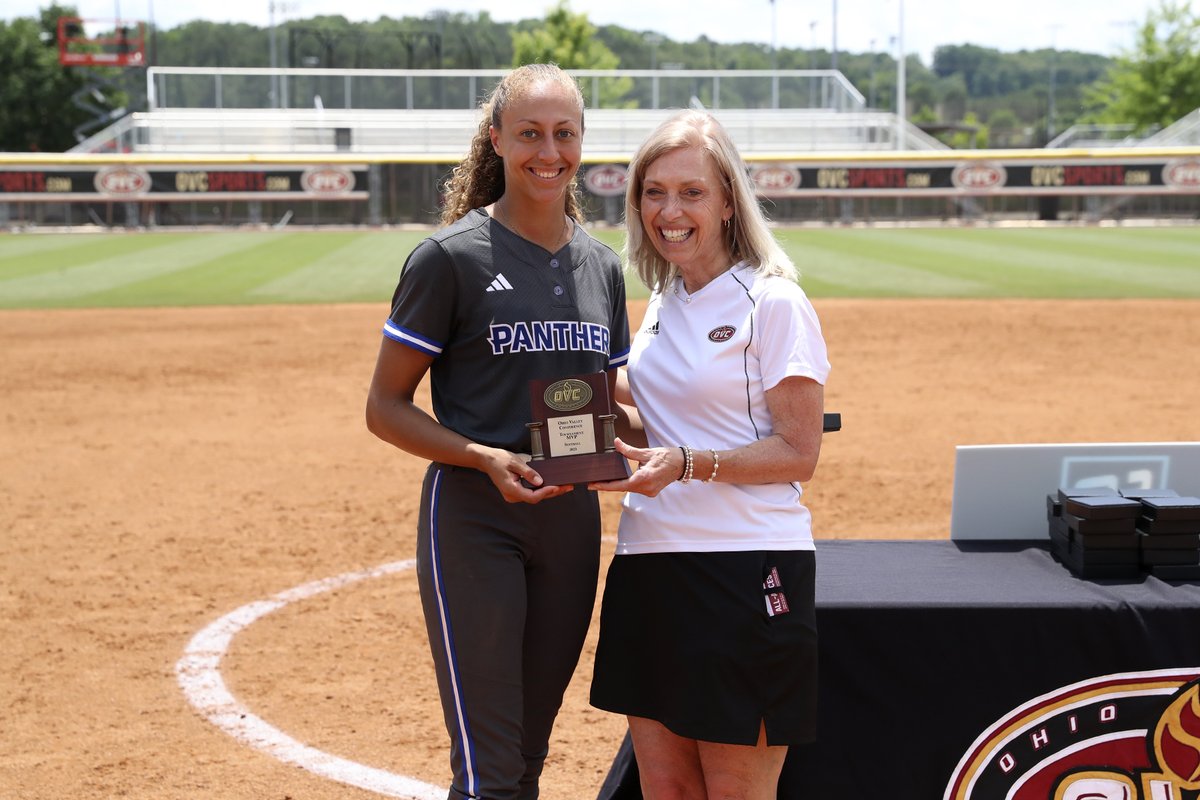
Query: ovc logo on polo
(721, 333)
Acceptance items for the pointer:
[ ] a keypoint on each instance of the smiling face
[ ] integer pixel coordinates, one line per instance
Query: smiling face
(540, 139)
(683, 210)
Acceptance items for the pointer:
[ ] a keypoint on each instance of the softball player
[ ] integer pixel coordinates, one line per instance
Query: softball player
(503, 295)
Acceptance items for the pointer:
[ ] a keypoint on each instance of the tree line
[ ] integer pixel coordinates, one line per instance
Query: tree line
(968, 95)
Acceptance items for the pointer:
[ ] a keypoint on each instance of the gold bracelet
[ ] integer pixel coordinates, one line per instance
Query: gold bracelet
(716, 464)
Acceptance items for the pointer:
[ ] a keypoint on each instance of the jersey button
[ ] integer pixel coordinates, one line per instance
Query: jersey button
(554, 263)
(558, 290)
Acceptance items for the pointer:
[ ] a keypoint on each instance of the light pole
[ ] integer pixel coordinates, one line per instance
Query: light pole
(812, 63)
(901, 91)
(871, 102)
(272, 5)
(653, 39)
(274, 55)
(153, 34)
(833, 57)
(774, 60)
(1050, 111)
(774, 29)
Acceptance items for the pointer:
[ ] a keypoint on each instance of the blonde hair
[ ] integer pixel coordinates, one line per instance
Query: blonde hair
(478, 180)
(747, 235)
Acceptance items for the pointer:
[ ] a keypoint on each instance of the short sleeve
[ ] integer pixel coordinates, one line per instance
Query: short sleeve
(618, 348)
(790, 343)
(424, 302)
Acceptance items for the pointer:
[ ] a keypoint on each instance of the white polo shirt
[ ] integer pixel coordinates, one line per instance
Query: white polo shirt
(699, 369)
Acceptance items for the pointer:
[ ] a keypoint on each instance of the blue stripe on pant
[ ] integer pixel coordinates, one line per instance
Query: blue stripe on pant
(507, 590)
(463, 740)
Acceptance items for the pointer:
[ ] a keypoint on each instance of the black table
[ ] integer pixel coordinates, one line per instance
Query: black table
(933, 651)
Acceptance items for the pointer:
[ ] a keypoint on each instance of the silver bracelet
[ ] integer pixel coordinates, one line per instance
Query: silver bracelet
(716, 465)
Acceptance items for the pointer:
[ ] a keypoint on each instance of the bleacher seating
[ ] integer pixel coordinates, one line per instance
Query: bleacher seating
(836, 121)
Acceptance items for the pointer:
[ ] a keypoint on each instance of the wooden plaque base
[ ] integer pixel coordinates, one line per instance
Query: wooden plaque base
(571, 436)
(582, 469)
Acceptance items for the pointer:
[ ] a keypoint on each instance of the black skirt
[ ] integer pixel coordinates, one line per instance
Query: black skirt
(695, 641)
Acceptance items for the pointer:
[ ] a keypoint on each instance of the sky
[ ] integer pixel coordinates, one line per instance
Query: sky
(1093, 26)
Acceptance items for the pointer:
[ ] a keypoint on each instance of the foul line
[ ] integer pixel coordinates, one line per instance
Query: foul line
(198, 673)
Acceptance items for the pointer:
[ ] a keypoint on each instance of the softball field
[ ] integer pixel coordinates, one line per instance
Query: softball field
(204, 587)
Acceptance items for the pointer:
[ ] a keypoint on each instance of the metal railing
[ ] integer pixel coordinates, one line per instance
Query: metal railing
(612, 134)
(1184, 131)
(1082, 135)
(374, 89)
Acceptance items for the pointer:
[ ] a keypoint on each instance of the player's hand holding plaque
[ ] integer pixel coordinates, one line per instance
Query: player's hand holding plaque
(571, 435)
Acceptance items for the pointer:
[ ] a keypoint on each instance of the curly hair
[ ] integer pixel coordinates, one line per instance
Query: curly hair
(478, 180)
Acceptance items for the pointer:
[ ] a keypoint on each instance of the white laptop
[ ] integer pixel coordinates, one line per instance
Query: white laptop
(1000, 489)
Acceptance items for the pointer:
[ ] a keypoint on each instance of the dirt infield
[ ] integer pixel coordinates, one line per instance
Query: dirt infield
(162, 468)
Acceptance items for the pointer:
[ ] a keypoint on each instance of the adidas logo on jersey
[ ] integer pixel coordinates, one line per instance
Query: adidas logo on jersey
(652, 330)
(500, 284)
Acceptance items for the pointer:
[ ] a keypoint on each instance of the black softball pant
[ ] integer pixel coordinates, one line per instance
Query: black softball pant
(507, 590)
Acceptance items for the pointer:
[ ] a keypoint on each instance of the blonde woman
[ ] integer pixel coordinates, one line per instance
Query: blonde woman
(708, 638)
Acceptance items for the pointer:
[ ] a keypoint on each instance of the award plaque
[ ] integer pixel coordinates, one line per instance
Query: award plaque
(571, 435)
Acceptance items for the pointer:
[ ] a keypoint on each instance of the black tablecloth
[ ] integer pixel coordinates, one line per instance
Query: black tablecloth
(925, 644)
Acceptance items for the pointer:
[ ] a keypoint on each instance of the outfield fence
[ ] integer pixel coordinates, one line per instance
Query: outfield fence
(166, 190)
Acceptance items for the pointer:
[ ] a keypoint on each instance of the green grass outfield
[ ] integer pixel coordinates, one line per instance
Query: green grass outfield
(303, 266)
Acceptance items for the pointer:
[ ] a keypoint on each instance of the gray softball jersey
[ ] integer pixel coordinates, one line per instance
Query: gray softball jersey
(507, 588)
(496, 311)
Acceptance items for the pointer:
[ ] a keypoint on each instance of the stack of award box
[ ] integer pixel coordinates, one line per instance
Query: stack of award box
(1169, 535)
(1093, 532)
